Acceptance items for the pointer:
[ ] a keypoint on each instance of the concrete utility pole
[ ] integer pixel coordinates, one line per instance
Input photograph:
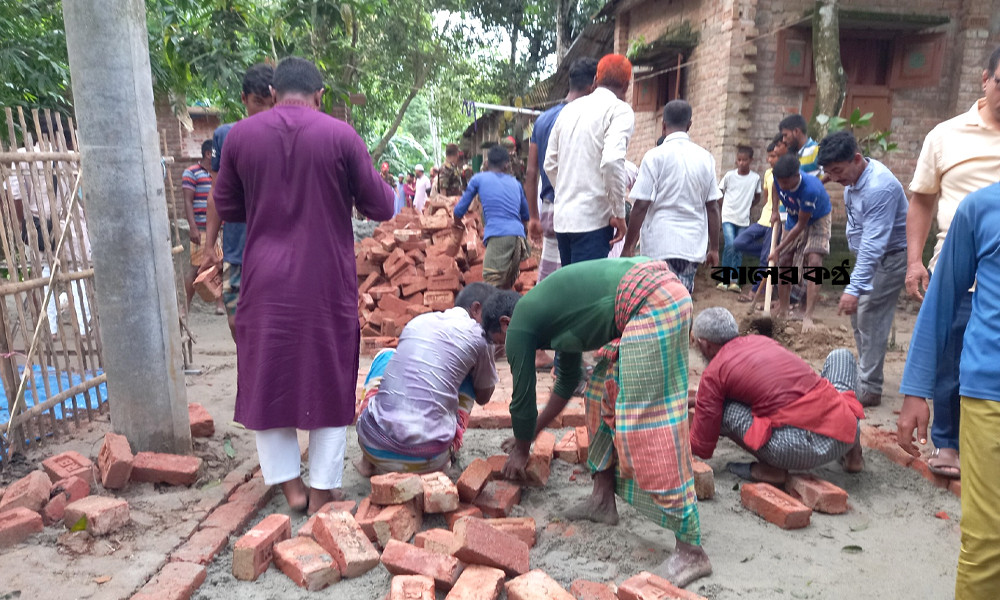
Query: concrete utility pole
(127, 216)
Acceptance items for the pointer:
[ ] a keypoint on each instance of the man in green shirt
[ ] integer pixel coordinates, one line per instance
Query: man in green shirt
(637, 313)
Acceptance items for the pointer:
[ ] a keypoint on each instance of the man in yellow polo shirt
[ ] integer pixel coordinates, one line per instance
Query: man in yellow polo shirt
(959, 156)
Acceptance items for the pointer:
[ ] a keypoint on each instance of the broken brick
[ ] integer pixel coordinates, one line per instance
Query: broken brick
(115, 461)
(175, 581)
(72, 488)
(103, 514)
(202, 423)
(441, 541)
(252, 553)
(481, 544)
(567, 449)
(17, 525)
(464, 510)
(497, 462)
(645, 585)
(398, 522)
(55, 509)
(340, 535)
(817, 494)
(581, 589)
(347, 506)
(472, 480)
(68, 464)
(411, 587)
(497, 498)
(775, 506)
(404, 559)
(306, 563)
(395, 488)
(523, 528)
(30, 491)
(171, 469)
(704, 480)
(365, 517)
(478, 582)
(536, 585)
(440, 493)
(201, 547)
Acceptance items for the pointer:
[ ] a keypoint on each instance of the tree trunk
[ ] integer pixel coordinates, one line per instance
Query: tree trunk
(418, 84)
(831, 83)
(515, 34)
(564, 29)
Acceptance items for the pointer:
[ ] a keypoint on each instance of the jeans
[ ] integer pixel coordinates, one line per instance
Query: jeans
(873, 321)
(586, 245)
(731, 257)
(947, 408)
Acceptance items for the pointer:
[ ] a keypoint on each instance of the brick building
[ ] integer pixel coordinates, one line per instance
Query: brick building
(745, 64)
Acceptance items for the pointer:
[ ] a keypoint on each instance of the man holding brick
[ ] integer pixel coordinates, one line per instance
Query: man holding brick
(418, 397)
(294, 174)
(771, 402)
(638, 314)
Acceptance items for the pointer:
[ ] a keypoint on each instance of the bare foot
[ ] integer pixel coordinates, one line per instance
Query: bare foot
(686, 564)
(768, 474)
(318, 498)
(853, 461)
(808, 325)
(594, 509)
(295, 494)
(365, 468)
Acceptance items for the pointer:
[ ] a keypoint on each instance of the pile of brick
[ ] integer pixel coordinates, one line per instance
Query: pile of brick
(60, 492)
(415, 264)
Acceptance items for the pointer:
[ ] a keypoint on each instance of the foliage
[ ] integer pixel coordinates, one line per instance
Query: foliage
(636, 47)
(872, 143)
(34, 69)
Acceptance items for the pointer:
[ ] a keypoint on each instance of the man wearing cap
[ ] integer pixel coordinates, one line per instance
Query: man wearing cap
(423, 188)
(585, 162)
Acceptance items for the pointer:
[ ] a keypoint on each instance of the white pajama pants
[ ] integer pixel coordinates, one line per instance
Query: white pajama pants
(280, 461)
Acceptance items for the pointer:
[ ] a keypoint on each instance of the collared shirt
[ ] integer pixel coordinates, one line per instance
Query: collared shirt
(808, 154)
(809, 195)
(505, 208)
(971, 252)
(959, 156)
(423, 187)
(540, 137)
(876, 222)
(588, 144)
(678, 177)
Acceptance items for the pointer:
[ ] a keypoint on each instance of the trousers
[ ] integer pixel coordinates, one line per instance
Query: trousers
(873, 321)
(278, 450)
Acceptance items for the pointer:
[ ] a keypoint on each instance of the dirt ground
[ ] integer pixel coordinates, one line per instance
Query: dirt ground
(905, 551)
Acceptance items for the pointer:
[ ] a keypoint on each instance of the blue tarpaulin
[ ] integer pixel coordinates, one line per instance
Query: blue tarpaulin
(57, 381)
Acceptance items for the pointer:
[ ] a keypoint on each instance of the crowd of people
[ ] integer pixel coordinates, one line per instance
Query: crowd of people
(294, 175)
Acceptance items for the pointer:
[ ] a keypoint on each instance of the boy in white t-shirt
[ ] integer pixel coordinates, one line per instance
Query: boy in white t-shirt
(741, 190)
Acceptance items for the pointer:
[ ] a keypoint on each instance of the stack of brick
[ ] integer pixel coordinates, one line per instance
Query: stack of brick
(415, 264)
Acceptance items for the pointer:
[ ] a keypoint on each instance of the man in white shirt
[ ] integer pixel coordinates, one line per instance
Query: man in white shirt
(675, 216)
(423, 188)
(585, 161)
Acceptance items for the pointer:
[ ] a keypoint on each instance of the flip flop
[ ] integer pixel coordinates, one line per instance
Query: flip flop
(741, 470)
(947, 471)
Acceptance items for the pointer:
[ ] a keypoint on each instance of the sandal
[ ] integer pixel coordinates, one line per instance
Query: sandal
(949, 471)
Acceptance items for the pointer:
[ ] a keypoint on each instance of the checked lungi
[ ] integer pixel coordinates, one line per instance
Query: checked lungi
(637, 401)
(502, 262)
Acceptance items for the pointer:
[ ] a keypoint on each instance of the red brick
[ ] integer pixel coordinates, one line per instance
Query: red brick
(306, 563)
(477, 583)
(395, 488)
(379, 292)
(115, 461)
(583, 442)
(397, 522)
(411, 587)
(232, 517)
(407, 274)
(441, 541)
(536, 585)
(68, 464)
(201, 547)
(704, 480)
(920, 466)
(497, 462)
(540, 461)
(574, 415)
(370, 346)
(365, 517)
(439, 265)
(340, 535)
(545, 443)
(581, 589)
(72, 488)
(104, 514)
(523, 528)
(567, 449)
(404, 559)
(202, 424)
(175, 581)
(255, 492)
(252, 553)
(435, 222)
(775, 506)
(441, 283)
(817, 494)
(955, 487)
(415, 311)
(464, 510)
(474, 274)
(17, 524)
(347, 506)
(55, 509)
(472, 480)
(439, 300)
(172, 469)
(413, 285)
(30, 491)
(646, 586)
(494, 415)
(886, 443)
(481, 544)
(393, 305)
(368, 283)
(497, 498)
(440, 493)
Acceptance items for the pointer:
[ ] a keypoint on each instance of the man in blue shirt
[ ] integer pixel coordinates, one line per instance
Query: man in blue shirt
(793, 132)
(806, 239)
(876, 233)
(971, 254)
(505, 210)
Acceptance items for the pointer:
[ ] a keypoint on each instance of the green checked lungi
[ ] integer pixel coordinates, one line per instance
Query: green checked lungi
(637, 401)
(502, 262)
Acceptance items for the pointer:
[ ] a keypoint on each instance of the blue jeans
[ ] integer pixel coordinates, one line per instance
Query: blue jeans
(947, 407)
(731, 257)
(756, 241)
(586, 245)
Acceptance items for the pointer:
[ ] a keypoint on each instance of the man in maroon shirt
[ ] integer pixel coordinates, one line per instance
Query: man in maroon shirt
(771, 402)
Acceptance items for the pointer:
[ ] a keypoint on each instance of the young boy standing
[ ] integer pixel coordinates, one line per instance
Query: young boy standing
(740, 191)
(505, 209)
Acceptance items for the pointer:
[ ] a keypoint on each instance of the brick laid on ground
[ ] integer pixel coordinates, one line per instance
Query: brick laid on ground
(536, 585)
(581, 589)
(347, 506)
(202, 424)
(817, 494)
(498, 497)
(253, 553)
(440, 493)
(645, 585)
(254, 492)
(540, 461)
(523, 528)
(397, 522)
(583, 444)
(115, 461)
(704, 480)
(567, 448)
(411, 587)
(365, 517)
(464, 510)
(68, 464)
(104, 514)
(775, 506)
(232, 517)
(441, 541)
(340, 535)
(404, 559)
(202, 547)
(477, 583)
(30, 491)
(481, 544)
(395, 488)
(175, 581)
(171, 469)
(17, 525)
(306, 563)
(73, 488)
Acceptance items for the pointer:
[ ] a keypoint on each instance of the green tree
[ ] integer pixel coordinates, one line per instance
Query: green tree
(34, 70)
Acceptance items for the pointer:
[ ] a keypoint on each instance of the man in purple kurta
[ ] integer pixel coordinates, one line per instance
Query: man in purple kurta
(293, 175)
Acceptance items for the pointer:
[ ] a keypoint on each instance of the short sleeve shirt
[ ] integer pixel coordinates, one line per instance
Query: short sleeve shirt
(738, 193)
(199, 180)
(809, 196)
